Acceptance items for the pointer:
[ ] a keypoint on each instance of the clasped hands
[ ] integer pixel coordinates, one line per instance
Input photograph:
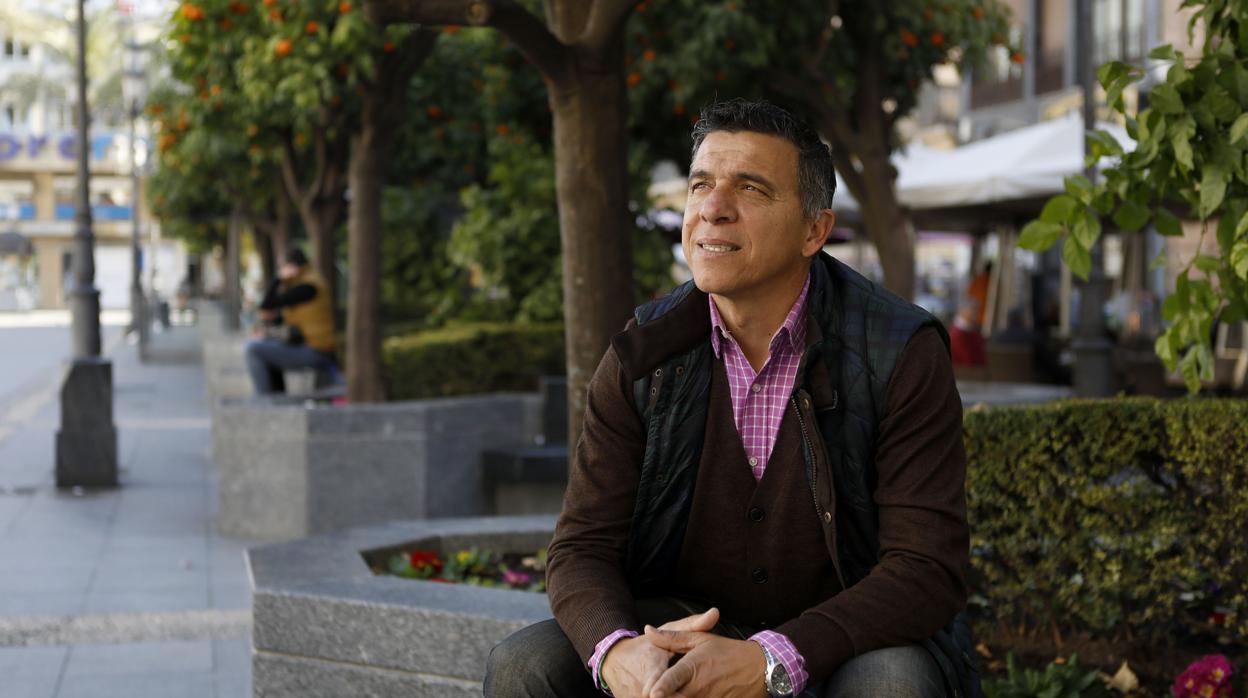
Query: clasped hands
(712, 665)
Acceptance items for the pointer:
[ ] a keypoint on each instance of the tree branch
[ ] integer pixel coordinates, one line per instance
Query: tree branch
(293, 187)
(605, 19)
(528, 33)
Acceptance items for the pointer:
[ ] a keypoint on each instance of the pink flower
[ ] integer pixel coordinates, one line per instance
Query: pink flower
(1205, 678)
(516, 579)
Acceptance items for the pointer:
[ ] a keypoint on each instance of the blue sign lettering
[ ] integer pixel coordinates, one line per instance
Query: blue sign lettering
(9, 147)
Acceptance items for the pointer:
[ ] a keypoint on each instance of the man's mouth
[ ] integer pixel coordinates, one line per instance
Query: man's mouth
(718, 247)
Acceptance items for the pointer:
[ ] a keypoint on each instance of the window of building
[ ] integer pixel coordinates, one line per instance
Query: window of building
(10, 47)
(1118, 31)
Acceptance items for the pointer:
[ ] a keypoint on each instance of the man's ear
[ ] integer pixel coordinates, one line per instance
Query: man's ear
(818, 232)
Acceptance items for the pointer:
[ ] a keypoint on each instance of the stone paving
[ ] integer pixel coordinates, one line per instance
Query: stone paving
(125, 592)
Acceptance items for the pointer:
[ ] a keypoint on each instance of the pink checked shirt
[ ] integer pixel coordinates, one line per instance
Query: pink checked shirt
(758, 404)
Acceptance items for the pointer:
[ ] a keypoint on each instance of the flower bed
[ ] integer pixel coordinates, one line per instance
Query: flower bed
(520, 571)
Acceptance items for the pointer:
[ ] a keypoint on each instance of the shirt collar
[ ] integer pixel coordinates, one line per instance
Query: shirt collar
(793, 330)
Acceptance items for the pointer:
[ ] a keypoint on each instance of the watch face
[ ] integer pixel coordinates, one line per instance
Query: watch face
(780, 683)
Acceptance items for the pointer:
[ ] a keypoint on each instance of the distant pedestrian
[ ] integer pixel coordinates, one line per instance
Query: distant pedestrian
(296, 328)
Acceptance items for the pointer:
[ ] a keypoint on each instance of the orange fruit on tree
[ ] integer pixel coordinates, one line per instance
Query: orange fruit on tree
(909, 38)
(1018, 58)
(451, 29)
(275, 15)
(648, 55)
(312, 26)
(937, 39)
(977, 12)
(502, 129)
(388, 47)
(227, 24)
(344, 8)
(634, 79)
(434, 111)
(252, 130)
(283, 48)
(215, 90)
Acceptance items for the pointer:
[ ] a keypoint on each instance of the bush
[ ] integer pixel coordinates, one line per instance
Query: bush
(1119, 519)
(1066, 680)
(471, 358)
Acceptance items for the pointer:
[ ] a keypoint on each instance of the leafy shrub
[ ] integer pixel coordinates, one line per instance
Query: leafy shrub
(1118, 518)
(1066, 680)
(471, 358)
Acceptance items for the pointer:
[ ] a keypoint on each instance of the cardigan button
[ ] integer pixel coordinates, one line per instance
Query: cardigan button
(759, 575)
(756, 514)
(827, 517)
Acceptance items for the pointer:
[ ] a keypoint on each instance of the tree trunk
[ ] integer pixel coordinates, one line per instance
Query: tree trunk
(890, 229)
(591, 178)
(267, 250)
(383, 111)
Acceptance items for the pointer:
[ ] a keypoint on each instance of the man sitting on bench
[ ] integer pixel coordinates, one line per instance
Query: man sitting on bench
(296, 329)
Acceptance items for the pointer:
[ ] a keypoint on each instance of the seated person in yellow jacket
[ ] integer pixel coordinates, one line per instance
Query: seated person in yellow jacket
(297, 328)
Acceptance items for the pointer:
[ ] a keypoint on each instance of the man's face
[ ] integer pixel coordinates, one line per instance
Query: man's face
(744, 232)
(288, 270)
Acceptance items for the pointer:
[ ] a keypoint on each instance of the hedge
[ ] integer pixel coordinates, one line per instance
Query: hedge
(471, 358)
(1124, 518)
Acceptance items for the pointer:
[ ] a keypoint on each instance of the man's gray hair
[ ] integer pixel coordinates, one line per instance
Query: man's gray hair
(816, 178)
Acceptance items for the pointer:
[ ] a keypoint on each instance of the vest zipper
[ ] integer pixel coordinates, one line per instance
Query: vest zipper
(814, 480)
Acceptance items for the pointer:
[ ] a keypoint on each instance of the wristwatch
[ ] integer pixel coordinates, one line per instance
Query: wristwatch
(776, 677)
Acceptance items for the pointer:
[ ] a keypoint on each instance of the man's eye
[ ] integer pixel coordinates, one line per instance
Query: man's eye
(697, 185)
(750, 187)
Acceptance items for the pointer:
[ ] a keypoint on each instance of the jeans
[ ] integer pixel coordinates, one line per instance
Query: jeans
(540, 661)
(267, 358)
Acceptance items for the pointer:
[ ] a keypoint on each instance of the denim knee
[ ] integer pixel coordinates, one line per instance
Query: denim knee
(892, 672)
(536, 661)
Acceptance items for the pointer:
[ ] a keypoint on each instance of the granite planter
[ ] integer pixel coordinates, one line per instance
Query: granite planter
(325, 625)
(290, 468)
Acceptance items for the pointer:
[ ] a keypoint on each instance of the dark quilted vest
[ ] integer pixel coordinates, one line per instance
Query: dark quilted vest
(864, 329)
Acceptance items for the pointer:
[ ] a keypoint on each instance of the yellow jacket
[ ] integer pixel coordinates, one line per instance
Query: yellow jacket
(315, 318)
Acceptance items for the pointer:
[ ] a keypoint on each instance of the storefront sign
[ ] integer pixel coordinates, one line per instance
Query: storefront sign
(33, 147)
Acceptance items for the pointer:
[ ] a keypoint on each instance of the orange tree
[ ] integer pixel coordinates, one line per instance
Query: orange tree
(302, 82)
(853, 67)
(202, 174)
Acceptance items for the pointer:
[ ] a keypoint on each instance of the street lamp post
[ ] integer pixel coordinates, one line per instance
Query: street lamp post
(86, 444)
(1094, 366)
(133, 85)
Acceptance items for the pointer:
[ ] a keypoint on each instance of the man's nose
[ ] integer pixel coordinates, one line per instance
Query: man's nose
(718, 207)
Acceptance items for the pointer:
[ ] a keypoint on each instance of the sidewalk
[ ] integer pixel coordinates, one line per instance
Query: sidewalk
(127, 592)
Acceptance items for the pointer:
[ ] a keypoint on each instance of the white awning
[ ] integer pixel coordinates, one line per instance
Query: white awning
(1026, 163)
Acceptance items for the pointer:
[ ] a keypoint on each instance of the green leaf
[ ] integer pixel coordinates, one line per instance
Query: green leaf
(1220, 104)
(1166, 98)
(1159, 262)
(1242, 226)
(1212, 189)
(1239, 128)
(1038, 236)
(1060, 209)
(1077, 257)
(1167, 223)
(1207, 264)
(1162, 348)
(1239, 259)
(1079, 187)
(1112, 71)
(1164, 52)
(1182, 150)
(1131, 216)
(1101, 143)
(1190, 371)
(1087, 230)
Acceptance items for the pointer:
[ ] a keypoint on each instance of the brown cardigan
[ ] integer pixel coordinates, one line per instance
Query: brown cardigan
(917, 587)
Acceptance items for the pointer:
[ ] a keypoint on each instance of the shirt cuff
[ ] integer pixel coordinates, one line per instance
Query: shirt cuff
(600, 653)
(786, 653)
